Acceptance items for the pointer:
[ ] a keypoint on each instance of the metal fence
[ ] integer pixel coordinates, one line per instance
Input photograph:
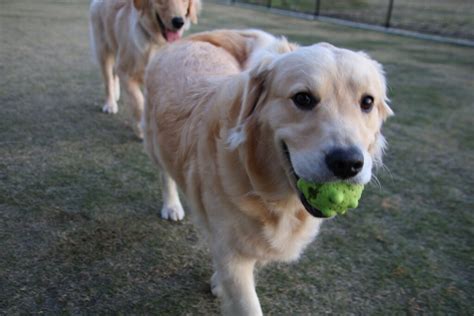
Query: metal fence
(451, 18)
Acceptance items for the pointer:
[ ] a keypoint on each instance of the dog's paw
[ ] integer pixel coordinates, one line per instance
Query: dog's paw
(138, 130)
(109, 107)
(172, 212)
(216, 287)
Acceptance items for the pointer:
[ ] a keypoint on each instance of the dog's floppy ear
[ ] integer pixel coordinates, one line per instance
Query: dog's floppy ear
(193, 10)
(254, 90)
(377, 148)
(385, 110)
(253, 95)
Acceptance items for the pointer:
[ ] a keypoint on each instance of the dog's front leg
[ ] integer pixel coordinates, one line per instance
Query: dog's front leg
(136, 102)
(112, 89)
(172, 208)
(235, 280)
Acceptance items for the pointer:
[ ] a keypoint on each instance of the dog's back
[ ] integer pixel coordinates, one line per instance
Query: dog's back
(202, 61)
(189, 59)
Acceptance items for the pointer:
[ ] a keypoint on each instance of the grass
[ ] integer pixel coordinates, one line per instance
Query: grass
(447, 18)
(79, 200)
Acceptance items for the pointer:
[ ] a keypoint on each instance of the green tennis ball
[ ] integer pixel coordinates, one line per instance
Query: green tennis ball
(331, 198)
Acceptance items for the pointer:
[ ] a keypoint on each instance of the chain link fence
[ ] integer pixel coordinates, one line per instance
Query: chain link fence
(451, 18)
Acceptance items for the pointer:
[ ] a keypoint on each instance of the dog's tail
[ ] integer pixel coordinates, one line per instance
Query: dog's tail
(238, 43)
(245, 45)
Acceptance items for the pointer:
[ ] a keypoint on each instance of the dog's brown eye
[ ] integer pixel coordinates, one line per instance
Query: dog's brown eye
(367, 103)
(304, 101)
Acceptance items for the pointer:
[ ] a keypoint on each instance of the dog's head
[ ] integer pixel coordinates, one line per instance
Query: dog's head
(168, 18)
(321, 110)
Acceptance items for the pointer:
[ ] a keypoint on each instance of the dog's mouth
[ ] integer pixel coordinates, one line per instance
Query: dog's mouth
(294, 179)
(169, 35)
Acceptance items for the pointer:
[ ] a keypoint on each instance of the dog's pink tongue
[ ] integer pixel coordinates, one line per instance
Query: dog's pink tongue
(172, 36)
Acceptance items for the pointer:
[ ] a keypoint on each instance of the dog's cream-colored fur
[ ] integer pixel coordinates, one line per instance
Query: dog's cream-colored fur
(217, 131)
(124, 34)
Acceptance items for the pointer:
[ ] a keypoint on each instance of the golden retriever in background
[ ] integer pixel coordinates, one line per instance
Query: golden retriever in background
(248, 115)
(125, 33)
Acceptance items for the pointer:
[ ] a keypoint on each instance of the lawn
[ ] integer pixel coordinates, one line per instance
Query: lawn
(80, 231)
(453, 18)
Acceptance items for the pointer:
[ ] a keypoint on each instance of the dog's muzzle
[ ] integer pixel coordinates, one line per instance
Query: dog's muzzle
(309, 208)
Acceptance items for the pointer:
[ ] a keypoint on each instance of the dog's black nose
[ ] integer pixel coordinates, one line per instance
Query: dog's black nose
(177, 22)
(345, 162)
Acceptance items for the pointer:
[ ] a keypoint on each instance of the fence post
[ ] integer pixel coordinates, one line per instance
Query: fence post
(389, 13)
(317, 7)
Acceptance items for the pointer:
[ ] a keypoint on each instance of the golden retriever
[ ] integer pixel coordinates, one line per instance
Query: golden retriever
(249, 115)
(125, 33)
